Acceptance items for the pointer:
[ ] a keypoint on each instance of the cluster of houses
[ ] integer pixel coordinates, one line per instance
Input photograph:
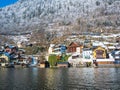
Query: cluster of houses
(80, 54)
(79, 51)
(11, 55)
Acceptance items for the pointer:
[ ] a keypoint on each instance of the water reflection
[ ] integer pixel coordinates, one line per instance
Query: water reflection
(60, 79)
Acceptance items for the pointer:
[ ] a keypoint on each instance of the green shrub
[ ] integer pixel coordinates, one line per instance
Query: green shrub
(52, 60)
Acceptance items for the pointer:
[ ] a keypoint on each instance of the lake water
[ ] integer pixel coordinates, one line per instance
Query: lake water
(60, 79)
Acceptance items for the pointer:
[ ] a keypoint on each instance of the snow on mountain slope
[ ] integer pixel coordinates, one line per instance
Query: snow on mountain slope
(28, 15)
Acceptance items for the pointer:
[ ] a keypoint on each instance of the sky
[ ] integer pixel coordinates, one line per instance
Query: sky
(4, 3)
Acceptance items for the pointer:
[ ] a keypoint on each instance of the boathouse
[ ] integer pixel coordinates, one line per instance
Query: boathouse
(99, 53)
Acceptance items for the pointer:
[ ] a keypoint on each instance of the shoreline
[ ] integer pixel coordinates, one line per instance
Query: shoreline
(92, 66)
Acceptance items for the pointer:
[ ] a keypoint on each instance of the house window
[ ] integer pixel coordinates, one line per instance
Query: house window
(99, 54)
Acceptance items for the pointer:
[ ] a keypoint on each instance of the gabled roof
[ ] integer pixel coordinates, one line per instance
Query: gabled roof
(87, 49)
(95, 48)
(74, 44)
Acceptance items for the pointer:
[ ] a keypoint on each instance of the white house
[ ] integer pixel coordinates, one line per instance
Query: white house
(87, 53)
(75, 59)
(19, 44)
(54, 49)
(50, 50)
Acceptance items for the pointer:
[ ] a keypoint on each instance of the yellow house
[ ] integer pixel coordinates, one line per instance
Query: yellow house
(4, 60)
(5, 57)
(99, 53)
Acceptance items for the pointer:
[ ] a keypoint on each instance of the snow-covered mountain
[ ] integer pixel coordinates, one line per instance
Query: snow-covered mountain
(29, 15)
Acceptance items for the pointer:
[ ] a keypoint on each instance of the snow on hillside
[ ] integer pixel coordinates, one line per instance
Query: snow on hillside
(27, 15)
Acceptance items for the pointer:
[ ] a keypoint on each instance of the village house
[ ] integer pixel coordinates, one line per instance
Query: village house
(75, 50)
(19, 44)
(75, 59)
(57, 49)
(102, 56)
(10, 49)
(116, 55)
(74, 47)
(4, 59)
(87, 53)
(111, 48)
(118, 39)
(7, 49)
(54, 49)
(99, 53)
(10, 52)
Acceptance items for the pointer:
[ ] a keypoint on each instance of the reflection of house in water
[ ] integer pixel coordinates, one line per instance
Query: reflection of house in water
(99, 53)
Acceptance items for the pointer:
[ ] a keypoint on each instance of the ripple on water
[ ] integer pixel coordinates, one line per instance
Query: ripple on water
(60, 79)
